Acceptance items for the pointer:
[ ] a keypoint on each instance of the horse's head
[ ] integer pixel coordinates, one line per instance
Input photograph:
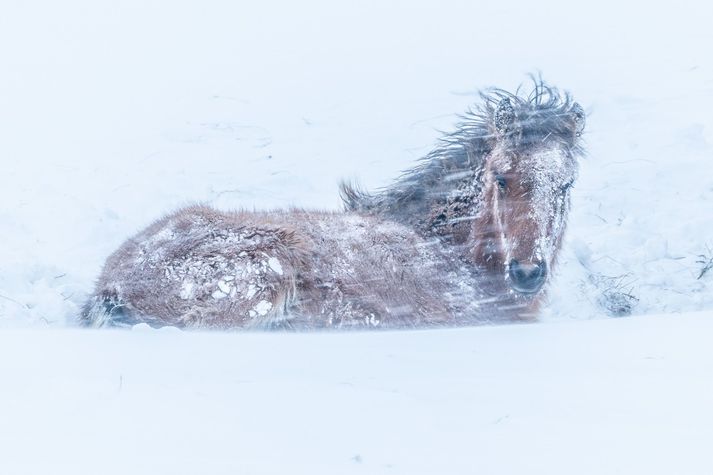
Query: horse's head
(527, 175)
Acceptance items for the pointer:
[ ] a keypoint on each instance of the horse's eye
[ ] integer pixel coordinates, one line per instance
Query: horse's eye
(566, 187)
(501, 181)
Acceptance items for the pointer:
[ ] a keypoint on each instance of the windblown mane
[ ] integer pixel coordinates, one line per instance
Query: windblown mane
(439, 196)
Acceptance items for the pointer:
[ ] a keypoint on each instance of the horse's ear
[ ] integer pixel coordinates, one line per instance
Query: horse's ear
(504, 116)
(579, 117)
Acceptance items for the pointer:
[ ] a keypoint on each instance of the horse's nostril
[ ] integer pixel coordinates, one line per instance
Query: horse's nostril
(527, 278)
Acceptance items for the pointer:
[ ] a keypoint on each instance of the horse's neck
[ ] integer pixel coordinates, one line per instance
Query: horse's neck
(451, 217)
(438, 199)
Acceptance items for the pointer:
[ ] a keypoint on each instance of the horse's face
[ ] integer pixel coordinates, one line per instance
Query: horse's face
(527, 179)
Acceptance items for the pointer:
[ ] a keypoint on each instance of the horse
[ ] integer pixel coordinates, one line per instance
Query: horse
(469, 236)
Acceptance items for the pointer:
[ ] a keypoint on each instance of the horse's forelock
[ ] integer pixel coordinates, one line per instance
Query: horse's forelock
(519, 121)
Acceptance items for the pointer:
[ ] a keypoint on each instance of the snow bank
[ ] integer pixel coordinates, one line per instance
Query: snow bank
(607, 396)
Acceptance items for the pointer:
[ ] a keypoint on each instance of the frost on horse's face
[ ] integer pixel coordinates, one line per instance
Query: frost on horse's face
(527, 179)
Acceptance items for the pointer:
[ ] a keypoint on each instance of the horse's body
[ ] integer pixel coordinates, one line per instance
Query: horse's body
(448, 244)
(293, 269)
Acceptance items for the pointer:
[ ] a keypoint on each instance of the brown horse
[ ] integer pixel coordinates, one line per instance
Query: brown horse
(469, 236)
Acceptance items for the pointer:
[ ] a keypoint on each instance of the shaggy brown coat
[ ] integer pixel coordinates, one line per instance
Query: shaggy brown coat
(469, 236)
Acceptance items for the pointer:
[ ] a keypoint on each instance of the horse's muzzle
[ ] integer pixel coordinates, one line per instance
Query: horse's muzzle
(527, 278)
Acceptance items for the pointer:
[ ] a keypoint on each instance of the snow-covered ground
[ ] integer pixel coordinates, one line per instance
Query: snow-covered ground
(114, 113)
(629, 396)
